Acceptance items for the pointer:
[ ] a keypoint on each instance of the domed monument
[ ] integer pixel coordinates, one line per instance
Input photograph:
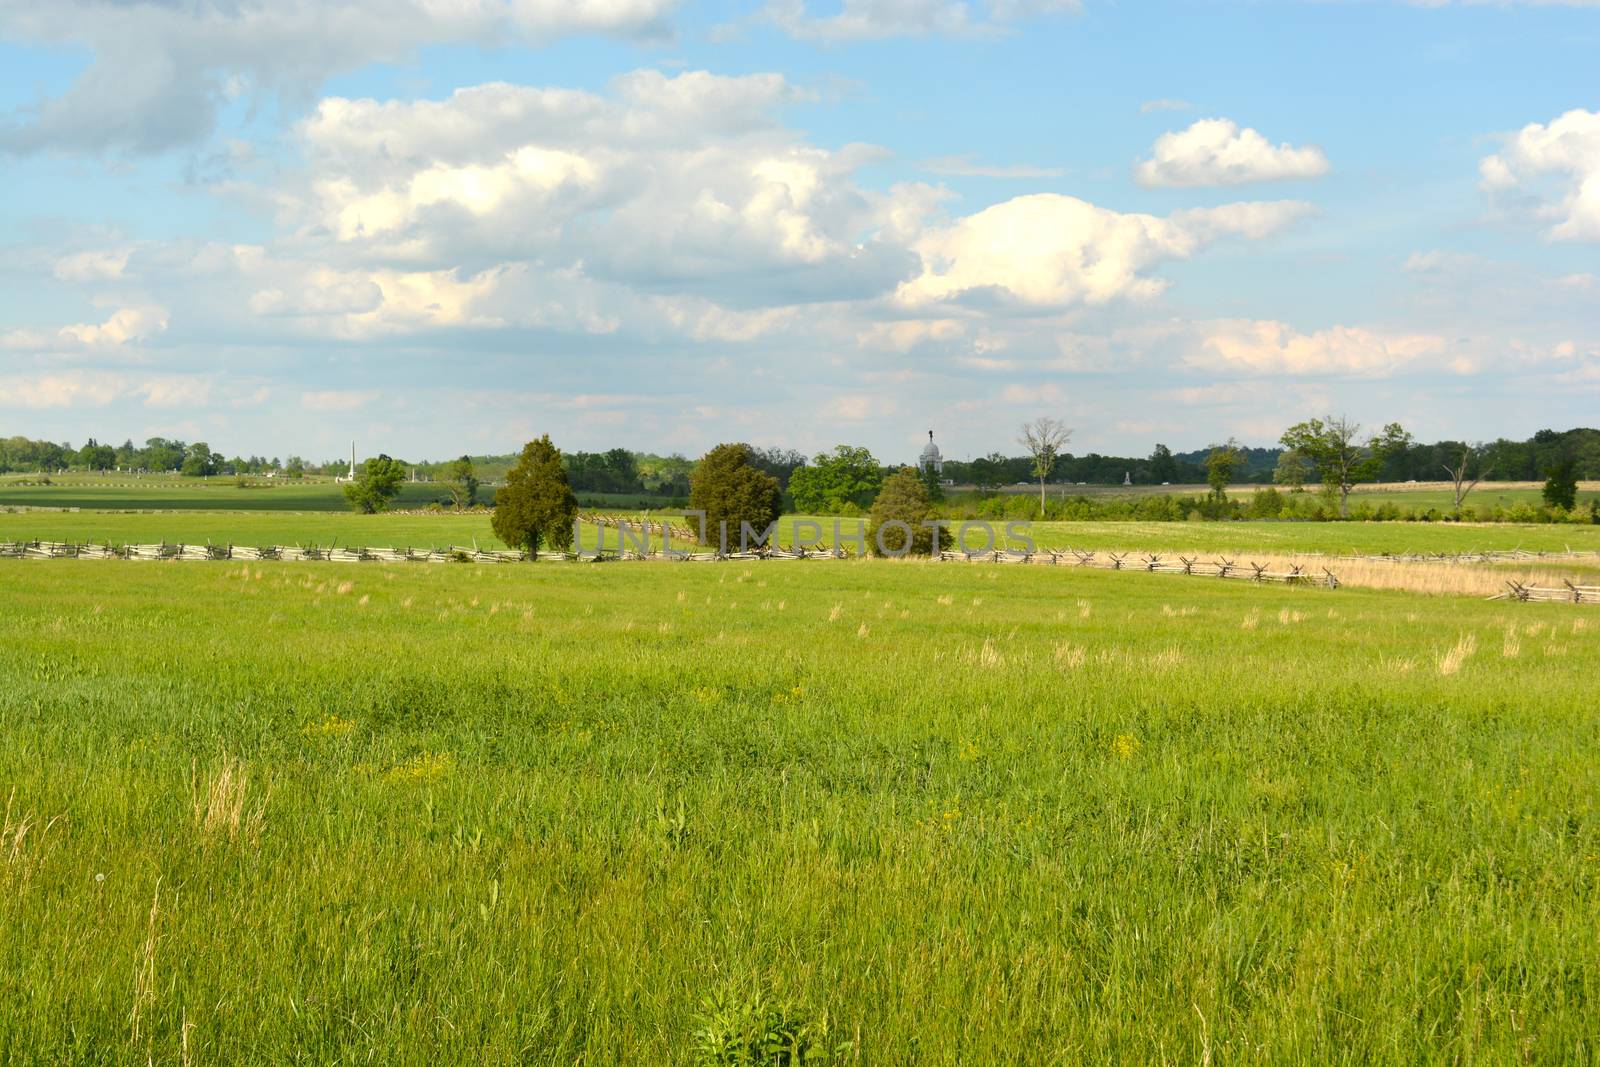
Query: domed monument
(930, 460)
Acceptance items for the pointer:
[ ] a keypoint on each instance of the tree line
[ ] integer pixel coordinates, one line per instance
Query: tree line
(847, 478)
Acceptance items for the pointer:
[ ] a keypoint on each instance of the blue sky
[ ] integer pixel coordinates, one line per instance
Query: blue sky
(447, 225)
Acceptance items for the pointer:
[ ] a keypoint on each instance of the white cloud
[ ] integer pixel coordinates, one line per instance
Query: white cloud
(679, 183)
(72, 389)
(161, 71)
(866, 20)
(1047, 250)
(1164, 104)
(94, 387)
(126, 325)
(969, 166)
(1265, 348)
(1219, 152)
(1554, 171)
(94, 265)
(336, 400)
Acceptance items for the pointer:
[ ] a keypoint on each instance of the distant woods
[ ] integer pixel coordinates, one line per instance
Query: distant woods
(846, 478)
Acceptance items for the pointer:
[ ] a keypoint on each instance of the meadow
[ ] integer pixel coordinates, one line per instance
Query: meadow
(191, 523)
(898, 812)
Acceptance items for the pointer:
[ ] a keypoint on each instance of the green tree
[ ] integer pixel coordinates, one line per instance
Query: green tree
(1561, 484)
(97, 457)
(536, 505)
(295, 468)
(1162, 466)
(1221, 463)
(930, 482)
(1292, 470)
(847, 475)
(904, 499)
(200, 461)
(376, 484)
(1332, 447)
(987, 471)
(730, 489)
(463, 484)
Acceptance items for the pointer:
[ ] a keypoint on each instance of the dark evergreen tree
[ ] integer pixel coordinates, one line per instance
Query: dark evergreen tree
(536, 506)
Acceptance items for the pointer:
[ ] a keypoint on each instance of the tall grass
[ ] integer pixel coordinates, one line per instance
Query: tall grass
(897, 813)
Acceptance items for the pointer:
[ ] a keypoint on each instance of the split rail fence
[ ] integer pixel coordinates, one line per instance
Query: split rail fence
(1149, 563)
(1117, 561)
(1572, 594)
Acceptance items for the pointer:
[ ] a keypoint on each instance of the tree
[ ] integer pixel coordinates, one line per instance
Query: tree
(536, 505)
(1292, 470)
(1044, 438)
(97, 457)
(200, 461)
(930, 482)
(847, 475)
(730, 489)
(1162, 465)
(988, 471)
(903, 499)
(463, 484)
(1331, 446)
(1561, 484)
(376, 484)
(1221, 464)
(295, 468)
(1464, 464)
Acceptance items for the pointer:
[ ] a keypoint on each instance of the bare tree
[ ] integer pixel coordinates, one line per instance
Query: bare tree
(1467, 461)
(1044, 438)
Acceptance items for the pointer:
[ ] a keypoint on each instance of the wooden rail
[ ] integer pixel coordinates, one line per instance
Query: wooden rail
(1572, 594)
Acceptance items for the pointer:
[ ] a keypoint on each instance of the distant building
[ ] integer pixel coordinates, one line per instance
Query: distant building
(930, 460)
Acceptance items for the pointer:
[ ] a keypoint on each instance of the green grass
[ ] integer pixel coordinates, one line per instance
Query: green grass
(171, 492)
(315, 527)
(924, 814)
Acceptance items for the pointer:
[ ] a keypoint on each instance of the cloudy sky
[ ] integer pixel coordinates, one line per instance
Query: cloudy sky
(444, 225)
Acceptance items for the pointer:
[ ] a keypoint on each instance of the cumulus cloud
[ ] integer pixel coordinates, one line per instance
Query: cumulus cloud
(1219, 152)
(125, 325)
(1048, 250)
(1264, 347)
(162, 69)
(866, 20)
(1552, 173)
(674, 183)
(99, 388)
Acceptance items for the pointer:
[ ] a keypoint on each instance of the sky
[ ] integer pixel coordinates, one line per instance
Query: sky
(447, 226)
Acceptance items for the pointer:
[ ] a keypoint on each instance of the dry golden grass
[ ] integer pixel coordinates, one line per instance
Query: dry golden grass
(220, 807)
(1430, 579)
(1451, 660)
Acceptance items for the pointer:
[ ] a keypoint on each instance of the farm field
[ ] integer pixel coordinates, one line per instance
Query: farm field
(223, 493)
(162, 491)
(916, 813)
(322, 527)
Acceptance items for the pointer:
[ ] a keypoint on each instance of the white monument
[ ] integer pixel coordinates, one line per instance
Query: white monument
(930, 458)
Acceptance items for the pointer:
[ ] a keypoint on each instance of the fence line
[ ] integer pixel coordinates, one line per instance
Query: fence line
(1572, 594)
(1117, 561)
(1516, 555)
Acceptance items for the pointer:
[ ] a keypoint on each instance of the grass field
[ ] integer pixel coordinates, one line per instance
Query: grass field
(171, 492)
(913, 813)
(322, 527)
